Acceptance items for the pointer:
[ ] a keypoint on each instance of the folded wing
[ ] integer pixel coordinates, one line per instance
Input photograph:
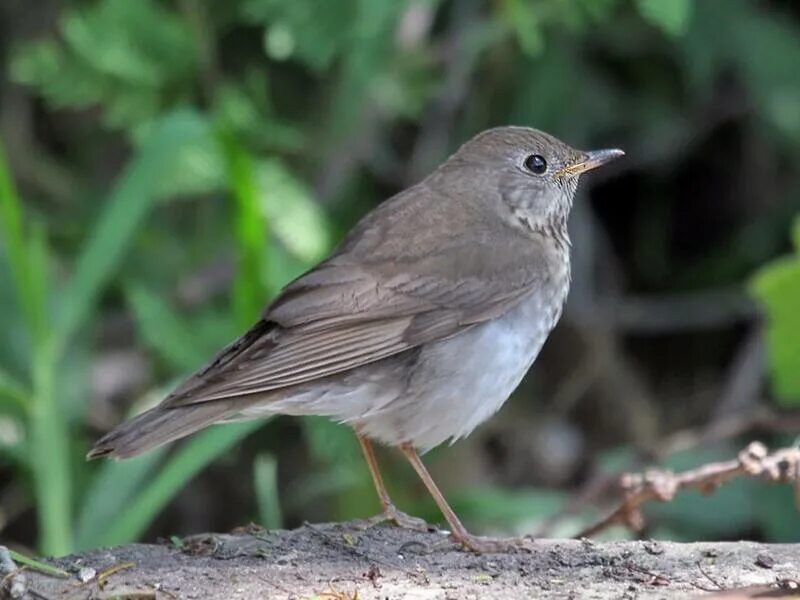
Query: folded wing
(357, 308)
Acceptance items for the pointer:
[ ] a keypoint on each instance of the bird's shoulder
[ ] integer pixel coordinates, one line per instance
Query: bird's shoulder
(420, 250)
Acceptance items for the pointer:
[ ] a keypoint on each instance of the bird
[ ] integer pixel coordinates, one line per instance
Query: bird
(417, 327)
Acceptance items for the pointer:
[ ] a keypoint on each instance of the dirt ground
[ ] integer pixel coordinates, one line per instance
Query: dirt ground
(350, 561)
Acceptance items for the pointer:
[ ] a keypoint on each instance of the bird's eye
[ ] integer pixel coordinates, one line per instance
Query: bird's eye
(536, 163)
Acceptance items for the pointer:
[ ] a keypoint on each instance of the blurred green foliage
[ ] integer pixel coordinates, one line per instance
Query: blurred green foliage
(254, 131)
(778, 286)
(670, 15)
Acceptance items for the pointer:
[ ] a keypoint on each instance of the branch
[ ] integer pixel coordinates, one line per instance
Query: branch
(781, 466)
(353, 560)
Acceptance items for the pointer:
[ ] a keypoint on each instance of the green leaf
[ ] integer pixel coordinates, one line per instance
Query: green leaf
(12, 391)
(128, 205)
(197, 169)
(140, 43)
(265, 482)
(173, 476)
(26, 258)
(249, 290)
(671, 16)
(246, 110)
(164, 331)
(47, 427)
(313, 32)
(291, 212)
(42, 64)
(133, 58)
(39, 274)
(777, 286)
(50, 451)
(523, 19)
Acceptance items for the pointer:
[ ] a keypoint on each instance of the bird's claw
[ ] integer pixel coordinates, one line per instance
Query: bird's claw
(401, 519)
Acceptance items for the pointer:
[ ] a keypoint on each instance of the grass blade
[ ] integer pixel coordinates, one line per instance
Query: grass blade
(48, 431)
(12, 392)
(179, 469)
(37, 565)
(127, 207)
(49, 456)
(31, 304)
(110, 491)
(265, 478)
(249, 291)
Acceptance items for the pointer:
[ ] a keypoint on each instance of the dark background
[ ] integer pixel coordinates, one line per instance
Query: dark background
(169, 165)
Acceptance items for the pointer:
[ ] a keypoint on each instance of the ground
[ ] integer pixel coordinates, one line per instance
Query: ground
(352, 561)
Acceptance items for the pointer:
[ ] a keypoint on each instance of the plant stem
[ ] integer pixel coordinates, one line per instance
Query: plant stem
(50, 457)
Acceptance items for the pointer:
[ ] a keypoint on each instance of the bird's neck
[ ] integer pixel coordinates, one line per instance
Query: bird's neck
(551, 227)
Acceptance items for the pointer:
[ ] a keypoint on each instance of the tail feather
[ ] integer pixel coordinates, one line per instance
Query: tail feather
(159, 426)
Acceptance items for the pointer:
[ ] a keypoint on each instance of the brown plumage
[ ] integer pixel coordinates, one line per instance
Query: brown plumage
(475, 254)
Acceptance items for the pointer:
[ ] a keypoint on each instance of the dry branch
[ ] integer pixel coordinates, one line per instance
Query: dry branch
(781, 466)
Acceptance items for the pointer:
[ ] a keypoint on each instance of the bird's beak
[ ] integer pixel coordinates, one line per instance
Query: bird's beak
(589, 160)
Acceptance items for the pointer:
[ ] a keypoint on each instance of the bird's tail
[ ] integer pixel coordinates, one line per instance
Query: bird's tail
(160, 425)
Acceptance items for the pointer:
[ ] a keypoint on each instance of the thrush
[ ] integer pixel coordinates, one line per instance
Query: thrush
(419, 325)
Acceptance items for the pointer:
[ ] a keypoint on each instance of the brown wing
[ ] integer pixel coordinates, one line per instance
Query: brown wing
(358, 307)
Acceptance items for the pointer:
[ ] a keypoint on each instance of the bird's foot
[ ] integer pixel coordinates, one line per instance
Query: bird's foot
(401, 519)
(488, 545)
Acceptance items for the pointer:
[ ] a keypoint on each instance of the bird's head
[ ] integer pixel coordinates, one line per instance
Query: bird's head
(533, 174)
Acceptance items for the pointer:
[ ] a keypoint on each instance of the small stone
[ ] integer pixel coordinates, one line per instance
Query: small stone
(18, 588)
(86, 574)
(788, 584)
(653, 547)
(765, 561)
(630, 593)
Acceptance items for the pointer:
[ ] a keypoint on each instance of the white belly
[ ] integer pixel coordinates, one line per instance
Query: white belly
(462, 381)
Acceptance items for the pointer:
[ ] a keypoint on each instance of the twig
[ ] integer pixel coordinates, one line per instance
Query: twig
(754, 461)
(718, 585)
(656, 579)
(103, 576)
(600, 485)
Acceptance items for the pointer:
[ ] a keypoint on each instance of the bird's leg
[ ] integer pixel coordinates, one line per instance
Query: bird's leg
(389, 510)
(458, 532)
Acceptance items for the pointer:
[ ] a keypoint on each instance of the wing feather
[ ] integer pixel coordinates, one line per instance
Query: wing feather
(294, 360)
